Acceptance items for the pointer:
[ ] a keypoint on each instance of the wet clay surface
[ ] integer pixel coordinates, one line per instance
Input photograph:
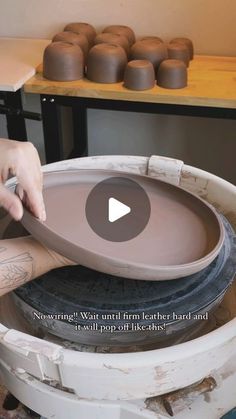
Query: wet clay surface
(182, 229)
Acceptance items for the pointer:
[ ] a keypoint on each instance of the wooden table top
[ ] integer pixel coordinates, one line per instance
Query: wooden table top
(19, 59)
(211, 82)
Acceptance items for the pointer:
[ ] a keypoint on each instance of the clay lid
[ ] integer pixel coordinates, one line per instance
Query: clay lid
(181, 235)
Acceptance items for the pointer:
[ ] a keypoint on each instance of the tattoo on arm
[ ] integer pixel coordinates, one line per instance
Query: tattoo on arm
(16, 270)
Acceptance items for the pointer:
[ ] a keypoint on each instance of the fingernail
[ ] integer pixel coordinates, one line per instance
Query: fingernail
(16, 212)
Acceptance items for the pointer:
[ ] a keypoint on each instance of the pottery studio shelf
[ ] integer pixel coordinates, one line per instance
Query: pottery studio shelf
(211, 92)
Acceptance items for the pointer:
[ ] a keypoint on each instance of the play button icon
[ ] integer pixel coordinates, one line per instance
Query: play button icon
(117, 209)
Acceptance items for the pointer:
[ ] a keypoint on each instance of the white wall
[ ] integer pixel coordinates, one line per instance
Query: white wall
(209, 23)
(209, 144)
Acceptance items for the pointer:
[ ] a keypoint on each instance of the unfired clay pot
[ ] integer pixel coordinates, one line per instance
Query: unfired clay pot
(182, 234)
(152, 38)
(149, 50)
(139, 75)
(113, 38)
(178, 51)
(73, 38)
(186, 42)
(121, 30)
(106, 63)
(63, 62)
(82, 27)
(172, 74)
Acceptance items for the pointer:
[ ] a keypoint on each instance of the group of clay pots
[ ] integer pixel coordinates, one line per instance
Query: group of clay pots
(114, 56)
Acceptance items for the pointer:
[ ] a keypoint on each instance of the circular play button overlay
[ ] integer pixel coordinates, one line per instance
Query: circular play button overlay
(118, 209)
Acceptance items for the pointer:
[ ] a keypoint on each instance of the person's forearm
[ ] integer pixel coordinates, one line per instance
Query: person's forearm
(22, 260)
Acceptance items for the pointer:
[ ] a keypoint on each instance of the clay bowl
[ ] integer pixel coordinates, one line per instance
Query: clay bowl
(139, 75)
(178, 51)
(63, 62)
(152, 38)
(81, 27)
(149, 50)
(186, 42)
(113, 38)
(121, 30)
(73, 38)
(172, 74)
(106, 63)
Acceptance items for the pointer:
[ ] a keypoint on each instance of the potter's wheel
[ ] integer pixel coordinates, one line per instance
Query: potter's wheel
(77, 289)
(106, 384)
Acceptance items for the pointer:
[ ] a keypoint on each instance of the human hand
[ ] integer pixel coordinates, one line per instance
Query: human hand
(21, 159)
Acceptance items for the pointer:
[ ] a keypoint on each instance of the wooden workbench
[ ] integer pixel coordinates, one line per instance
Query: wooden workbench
(211, 92)
(211, 82)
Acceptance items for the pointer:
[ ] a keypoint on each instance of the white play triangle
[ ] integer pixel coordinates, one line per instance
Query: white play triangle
(117, 210)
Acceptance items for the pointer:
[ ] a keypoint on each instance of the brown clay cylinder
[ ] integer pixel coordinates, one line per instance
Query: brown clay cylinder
(122, 30)
(63, 62)
(82, 27)
(106, 63)
(73, 38)
(113, 38)
(152, 38)
(149, 50)
(178, 51)
(172, 74)
(139, 75)
(186, 42)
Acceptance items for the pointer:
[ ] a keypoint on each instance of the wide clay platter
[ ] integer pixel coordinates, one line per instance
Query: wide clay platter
(184, 234)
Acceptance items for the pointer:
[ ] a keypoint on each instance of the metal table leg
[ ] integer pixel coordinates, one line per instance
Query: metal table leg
(51, 116)
(79, 115)
(15, 120)
(52, 129)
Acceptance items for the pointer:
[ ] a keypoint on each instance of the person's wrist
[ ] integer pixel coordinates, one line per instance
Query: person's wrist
(59, 259)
